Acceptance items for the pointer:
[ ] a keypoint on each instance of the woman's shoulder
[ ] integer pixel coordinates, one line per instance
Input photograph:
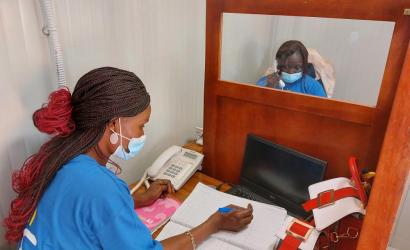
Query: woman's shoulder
(313, 86)
(81, 166)
(86, 173)
(310, 80)
(84, 185)
(262, 81)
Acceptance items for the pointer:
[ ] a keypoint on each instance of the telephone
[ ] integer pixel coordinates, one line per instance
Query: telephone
(176, 164)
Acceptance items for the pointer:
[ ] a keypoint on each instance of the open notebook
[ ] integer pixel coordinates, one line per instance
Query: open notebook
(204, 201)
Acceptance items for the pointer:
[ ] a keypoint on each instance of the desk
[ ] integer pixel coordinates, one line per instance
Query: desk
(187, 188)
(192, 145)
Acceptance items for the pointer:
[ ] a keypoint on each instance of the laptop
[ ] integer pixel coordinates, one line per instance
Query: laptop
(278, 175)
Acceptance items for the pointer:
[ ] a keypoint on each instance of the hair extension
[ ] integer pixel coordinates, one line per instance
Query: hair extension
(77, 123)
(288, 48)
(55, 118)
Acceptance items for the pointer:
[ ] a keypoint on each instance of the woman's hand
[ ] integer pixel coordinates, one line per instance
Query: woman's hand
(235, 220)
(273, 80)
(158, 188)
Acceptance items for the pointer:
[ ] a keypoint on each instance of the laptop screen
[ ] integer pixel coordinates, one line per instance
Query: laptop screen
(275, 170)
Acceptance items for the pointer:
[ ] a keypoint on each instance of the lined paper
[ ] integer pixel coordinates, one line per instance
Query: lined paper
(204, 201)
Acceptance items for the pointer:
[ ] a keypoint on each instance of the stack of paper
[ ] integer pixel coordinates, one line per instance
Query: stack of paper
(204, 201)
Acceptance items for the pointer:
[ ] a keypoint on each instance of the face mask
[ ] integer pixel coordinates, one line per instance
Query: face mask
(134, 146)
(290, 78)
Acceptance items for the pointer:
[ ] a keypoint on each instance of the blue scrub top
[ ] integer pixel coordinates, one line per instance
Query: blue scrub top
(86, 207)
(305, 85)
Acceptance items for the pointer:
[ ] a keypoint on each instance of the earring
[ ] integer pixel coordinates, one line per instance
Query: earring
(114, 138)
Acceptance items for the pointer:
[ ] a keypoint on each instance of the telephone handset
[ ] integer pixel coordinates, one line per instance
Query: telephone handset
(176, 164)
(162, 159)
(280, 84)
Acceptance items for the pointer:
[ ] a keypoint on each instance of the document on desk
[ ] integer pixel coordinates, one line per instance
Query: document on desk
(204, 201)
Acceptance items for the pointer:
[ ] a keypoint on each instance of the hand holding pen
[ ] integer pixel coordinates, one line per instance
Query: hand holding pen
(233, 218)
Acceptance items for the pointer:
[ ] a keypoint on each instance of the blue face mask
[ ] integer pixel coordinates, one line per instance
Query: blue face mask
(291, 78)
(134, 146)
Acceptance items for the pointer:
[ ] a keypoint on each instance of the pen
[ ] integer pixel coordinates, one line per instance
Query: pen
(225, 209)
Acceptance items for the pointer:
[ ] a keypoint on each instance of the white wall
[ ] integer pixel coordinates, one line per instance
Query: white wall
(245, 42)
(25, 79)
(162, 41)
(357, 49)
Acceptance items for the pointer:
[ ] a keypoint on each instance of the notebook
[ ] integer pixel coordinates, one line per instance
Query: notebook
(204, 201)
(158, 213)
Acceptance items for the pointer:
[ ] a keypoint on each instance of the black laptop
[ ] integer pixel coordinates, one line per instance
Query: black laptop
(277, 175)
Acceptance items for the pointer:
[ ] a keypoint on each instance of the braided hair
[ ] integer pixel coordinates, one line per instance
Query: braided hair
(77, 124)
(290, 47)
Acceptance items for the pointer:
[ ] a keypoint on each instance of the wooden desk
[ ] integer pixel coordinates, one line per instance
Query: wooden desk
(183, 193)
(187, 188)
(192, 145)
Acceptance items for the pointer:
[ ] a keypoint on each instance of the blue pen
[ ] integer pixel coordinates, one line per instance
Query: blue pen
(225, 209)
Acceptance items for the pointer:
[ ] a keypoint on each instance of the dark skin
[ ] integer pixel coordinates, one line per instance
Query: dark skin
(133, 127)
(158, 188)
(292, 64)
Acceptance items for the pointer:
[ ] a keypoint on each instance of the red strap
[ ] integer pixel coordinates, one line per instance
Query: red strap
(290, 243)
(356, 179)
(298, 232)
(329, 197)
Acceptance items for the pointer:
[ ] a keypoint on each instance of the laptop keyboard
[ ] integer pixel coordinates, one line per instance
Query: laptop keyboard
(245, 193)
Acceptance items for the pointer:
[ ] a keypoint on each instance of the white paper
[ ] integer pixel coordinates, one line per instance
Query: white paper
(306, 245)
(172, 229)
(259, 234)
(326, 216)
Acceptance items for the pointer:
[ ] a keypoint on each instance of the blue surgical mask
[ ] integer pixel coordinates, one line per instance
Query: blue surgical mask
(134, 146)
(291, 78)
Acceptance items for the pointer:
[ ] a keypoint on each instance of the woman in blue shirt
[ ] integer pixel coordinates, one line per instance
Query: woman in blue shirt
(292, 59)
(68, 199)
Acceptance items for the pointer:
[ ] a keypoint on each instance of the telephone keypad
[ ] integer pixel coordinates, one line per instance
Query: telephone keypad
(177, 167)
(174, 169)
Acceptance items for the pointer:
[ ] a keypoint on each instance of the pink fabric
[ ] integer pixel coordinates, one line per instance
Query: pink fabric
(157, 213)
